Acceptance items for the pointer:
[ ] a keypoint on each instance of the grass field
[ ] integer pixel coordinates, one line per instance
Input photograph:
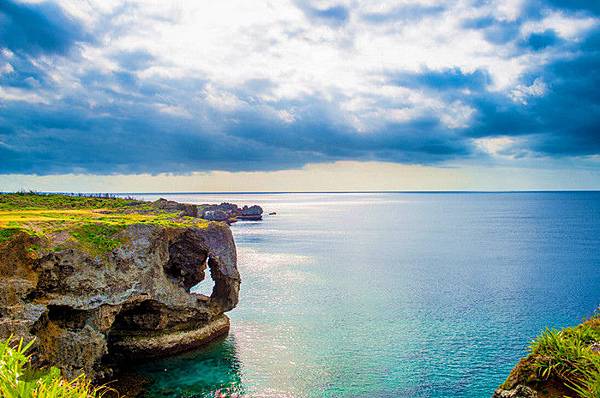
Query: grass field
(91, 223)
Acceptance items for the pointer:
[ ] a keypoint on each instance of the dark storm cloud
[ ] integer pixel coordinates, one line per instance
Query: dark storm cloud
(30, 30)
(565, 120)
(37, 28)
(540, 41)
(586, 6)
(496, 31)
(133, 137)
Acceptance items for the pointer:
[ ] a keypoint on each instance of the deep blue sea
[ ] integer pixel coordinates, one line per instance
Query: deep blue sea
(393, 294)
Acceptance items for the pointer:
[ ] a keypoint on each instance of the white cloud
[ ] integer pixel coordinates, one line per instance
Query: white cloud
(567, 26)
(222, 99)
(522, 92)
(173, 110)
(229, 43)
(22, 95)
(457, 115)
(495, 145)
(6, 53)
(6, 68)
(286, 116)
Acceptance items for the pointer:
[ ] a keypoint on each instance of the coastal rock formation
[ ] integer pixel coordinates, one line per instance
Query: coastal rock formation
(90, 312)
(228, 212)
(253, 213)
(185, 209)
(520, 391)
(215, 215)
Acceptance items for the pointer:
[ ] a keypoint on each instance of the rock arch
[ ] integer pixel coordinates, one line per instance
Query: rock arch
(88, 313)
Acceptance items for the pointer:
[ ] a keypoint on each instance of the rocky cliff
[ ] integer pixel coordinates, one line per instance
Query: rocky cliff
(89, 311)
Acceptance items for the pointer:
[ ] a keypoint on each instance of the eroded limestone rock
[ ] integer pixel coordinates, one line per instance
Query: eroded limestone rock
(186, 209)
(253, 213)
(519, 391)
(88, 313)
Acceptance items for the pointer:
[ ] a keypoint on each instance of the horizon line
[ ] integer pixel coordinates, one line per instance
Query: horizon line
(319, 192)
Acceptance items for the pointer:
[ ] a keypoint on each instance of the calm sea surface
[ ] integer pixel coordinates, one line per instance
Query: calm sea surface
(393, 295)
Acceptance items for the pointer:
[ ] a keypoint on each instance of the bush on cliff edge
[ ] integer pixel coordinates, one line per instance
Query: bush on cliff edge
(562, 362)
(18, 379)
(567, 355)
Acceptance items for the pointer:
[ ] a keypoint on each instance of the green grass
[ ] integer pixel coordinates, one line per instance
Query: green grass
(18, 379)
(90, 223)
(7, 233)
(98, 238)
(589, 385)
(566, 356)
(33, 200)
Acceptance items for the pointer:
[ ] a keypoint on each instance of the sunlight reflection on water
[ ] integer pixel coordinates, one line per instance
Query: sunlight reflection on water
(394, 295)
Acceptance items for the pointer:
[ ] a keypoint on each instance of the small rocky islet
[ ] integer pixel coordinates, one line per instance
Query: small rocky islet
(227, 212)
(96, 281)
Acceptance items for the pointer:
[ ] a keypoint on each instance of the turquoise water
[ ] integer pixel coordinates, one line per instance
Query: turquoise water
(393, 295)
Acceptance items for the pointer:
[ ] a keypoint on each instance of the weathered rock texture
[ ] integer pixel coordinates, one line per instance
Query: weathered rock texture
(228, 212)
(186, 209)
(251, 213)
(89, 313)
(523, 382)
(519, 391)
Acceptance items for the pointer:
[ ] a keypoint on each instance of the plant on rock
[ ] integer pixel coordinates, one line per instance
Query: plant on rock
(18, 379)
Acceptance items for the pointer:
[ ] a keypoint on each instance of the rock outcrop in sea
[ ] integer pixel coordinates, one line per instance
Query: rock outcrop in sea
(228, 212)
(89, 312)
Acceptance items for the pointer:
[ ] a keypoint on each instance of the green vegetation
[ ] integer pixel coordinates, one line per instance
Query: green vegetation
(33, 200)
(7, 233)
(566, 360)
(98, 238)
(567, 355)
(92, 223)
(18, 379)
(589, 384)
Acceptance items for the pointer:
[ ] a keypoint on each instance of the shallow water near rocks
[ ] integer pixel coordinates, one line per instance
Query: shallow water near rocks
(392, 294)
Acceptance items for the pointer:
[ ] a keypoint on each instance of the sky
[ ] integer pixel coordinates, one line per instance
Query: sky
(157, 96)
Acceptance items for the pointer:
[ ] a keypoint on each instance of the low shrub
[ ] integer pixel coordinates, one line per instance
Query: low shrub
(567, 356)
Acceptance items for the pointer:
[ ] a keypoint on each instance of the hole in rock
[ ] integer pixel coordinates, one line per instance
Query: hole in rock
(188, 261)
(142, 318)
(146, 315)
(206, 286)
(67, 317)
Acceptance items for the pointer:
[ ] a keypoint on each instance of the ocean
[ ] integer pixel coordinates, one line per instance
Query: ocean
(392, 294)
